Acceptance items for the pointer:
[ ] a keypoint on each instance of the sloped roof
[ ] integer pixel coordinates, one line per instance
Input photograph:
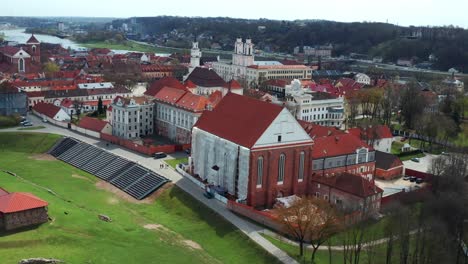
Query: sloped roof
(239, 119)
(386, 161)
(169, 95)
(9, 50)
(92, 124)
(372, 133)
(164, 82)
(350, 183)
(190, 84)
(338, 145)
(194, 102)
(16, 202)
(206, 78)
(315, 130)
(233, 85)
(32, 40)
(49, 110)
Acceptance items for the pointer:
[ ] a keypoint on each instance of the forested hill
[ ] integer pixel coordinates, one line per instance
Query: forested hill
(448, 44)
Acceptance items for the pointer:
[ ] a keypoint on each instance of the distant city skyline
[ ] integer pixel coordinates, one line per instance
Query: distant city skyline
(401, 12)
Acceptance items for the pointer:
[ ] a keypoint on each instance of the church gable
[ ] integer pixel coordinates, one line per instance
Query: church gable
(282, 131)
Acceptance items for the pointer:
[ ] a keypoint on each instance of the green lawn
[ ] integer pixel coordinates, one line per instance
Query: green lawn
(183, 230)
(173, 162)
(9, 121)
(132, 46)
(32, 128)
(396, 150)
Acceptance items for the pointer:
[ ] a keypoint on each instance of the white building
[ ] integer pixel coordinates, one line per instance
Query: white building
(362, 78)
(103, 85)
(244, 67)
(132, 117)
(314, 107)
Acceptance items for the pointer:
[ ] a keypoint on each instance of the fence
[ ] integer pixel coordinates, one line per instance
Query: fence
(403, 196)
(260, 217)
(427, 177)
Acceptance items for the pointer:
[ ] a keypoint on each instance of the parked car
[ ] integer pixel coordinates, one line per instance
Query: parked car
(160, 155)
(406, 178)
(415, 159)
(188, 151)
(403, 139)
(24, 121)
(44, 120)
(27, 124)
(412, 179)
(419, 180)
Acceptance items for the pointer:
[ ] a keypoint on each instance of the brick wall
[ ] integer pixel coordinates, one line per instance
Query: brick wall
(389, 174)
(260, 217)
(265, 195)
(25, 218)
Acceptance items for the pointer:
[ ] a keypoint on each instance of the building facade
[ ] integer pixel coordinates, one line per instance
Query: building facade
(256, 166)
(132, 118)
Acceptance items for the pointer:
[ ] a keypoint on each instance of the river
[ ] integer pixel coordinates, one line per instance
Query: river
(21, 37)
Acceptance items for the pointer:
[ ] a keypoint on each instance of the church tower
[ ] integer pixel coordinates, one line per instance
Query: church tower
(195, 55)
(34, 49)
(248, 52)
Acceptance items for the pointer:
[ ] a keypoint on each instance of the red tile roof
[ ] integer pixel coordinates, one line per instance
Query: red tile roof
(49, 110)
(67, 103)
(36, 94)
(234, 114)
(350, 183)
(215, 98)
(193, 102)
(169, 95)
(233, 85)
(32, 40)
(16, 202)
(372, 133)
(190, 84)
(206, 78)
(92, 124)
(9, 50)
(164, 82)
(338, 145)
(315, 130)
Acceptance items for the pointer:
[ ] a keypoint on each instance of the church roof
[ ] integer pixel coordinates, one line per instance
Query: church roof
(205, 77)
(233, 85)
(234, 114)
(32, 40)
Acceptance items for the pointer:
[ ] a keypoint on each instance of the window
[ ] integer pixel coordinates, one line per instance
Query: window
(279, 138)
(325, 197)
(301, 166)
(259, 172)
(281, 163)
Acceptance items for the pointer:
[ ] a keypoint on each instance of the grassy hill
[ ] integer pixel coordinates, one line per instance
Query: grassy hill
(173, 229)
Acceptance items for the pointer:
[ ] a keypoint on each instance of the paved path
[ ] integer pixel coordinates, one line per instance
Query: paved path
(249, 228)
(325, 247)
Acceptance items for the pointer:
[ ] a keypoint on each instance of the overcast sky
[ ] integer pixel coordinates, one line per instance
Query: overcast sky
(402, 12)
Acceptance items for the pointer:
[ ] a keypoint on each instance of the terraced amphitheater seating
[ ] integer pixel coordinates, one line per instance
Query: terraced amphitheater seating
(86, 156)
(65, 145)
(116, 167)
(96, 164)
(126, 175)
(73, 152)
(146, 185)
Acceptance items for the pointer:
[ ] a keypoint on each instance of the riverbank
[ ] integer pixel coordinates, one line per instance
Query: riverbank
(132, 46)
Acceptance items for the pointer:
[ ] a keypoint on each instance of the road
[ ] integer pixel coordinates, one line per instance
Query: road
(250, 229)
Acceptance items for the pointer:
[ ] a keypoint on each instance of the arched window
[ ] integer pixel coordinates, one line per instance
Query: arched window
(259, 171)
(281, 163)
(21, 65)
(34, 49)
(301, 166)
